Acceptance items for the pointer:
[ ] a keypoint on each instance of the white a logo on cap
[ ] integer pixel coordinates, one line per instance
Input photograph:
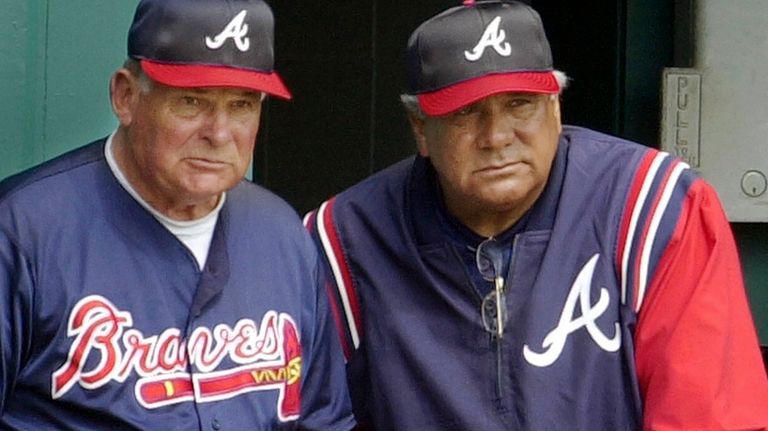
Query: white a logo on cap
(493, 37)
(236, 29)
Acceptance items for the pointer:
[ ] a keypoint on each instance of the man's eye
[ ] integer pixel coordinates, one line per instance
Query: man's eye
(467, 110)
(187, 106)
(520, 101)
(190, 101)
(243, 104)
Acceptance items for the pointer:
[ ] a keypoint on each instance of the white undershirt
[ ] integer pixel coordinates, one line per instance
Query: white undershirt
(195, 234)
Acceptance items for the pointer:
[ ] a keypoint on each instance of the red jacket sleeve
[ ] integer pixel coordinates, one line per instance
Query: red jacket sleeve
(698, 360)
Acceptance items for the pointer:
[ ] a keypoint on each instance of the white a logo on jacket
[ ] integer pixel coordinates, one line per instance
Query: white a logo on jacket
(555, 340)
(237, 29)
(492, 37)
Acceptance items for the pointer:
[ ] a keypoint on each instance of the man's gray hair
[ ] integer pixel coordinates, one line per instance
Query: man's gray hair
(133, 66)
(411, 102)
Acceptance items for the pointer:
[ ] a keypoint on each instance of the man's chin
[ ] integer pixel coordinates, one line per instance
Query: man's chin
(211, 183)
(504, 199)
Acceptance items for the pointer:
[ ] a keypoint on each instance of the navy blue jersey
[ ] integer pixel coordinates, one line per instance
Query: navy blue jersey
(108, 323)
(618, 278)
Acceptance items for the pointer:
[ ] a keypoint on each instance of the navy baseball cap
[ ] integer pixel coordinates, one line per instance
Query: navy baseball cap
(476, 50)
(207, 43)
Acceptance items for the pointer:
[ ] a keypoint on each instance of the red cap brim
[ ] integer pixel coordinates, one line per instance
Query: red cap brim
(457, 96)
(193, 75)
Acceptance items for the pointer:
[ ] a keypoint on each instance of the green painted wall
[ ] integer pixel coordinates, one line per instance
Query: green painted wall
(56, 57)
(19, 71)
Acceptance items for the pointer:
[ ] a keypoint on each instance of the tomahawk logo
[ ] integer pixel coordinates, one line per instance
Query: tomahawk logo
(106, 348)
(237, 29)
(555, 341)
(492, 37)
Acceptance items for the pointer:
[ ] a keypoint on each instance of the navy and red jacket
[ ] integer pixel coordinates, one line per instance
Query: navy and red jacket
(626, 303)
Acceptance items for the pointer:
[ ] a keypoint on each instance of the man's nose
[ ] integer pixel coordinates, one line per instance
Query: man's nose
(498, 130)
(218, 128)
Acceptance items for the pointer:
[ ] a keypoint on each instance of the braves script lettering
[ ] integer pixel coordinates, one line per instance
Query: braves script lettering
(237, 29)
(106, 348)
(555, 341)
(492, 37)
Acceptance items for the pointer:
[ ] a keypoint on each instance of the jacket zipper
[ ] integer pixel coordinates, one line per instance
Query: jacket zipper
(500, 365)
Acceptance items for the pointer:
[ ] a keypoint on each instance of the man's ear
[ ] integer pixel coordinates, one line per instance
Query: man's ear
(124, 94)
(556, 113)
(417, 126)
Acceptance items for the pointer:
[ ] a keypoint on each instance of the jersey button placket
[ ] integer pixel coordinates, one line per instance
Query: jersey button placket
(215, 424)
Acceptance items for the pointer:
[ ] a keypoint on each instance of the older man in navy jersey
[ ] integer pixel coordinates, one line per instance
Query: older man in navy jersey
(143, 283)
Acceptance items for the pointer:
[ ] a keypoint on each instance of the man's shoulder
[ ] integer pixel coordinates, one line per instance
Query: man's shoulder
(261, 209)
(596, 156)
(254, 197)
(584, 139)
(49, 172)
(601, 154)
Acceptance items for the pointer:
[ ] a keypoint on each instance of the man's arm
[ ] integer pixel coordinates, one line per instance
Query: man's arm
(342, 300)
(325, 401)
(342, 294)
(698, 361)
(15, 297)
